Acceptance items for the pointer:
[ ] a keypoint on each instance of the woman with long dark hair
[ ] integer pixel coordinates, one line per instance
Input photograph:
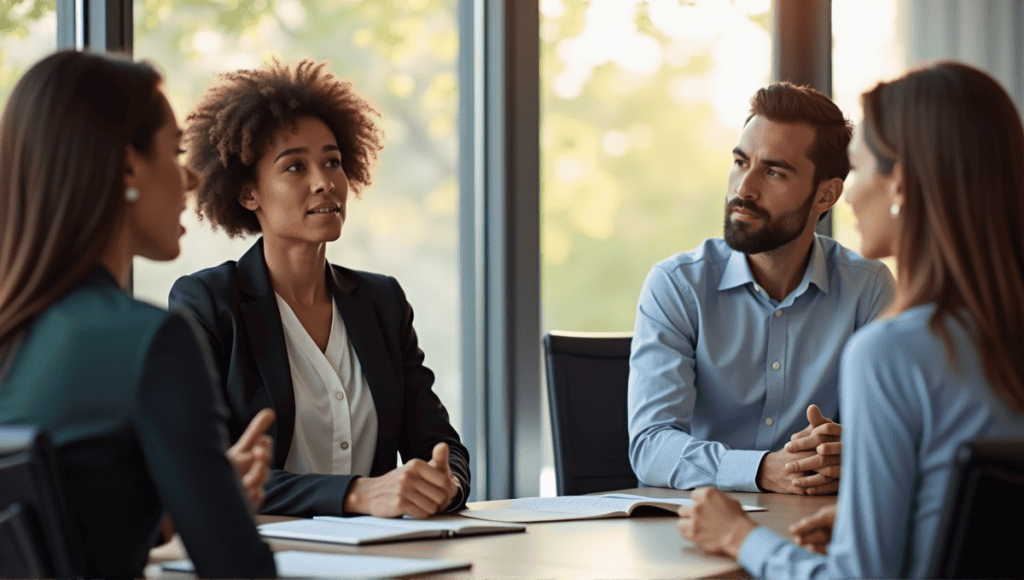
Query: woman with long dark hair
(939, 166)
(89, 154)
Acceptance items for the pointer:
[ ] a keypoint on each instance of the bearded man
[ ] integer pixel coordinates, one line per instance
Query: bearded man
(735, 355)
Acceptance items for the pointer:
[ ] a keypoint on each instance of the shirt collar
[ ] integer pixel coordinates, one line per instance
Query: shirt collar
(737, 271)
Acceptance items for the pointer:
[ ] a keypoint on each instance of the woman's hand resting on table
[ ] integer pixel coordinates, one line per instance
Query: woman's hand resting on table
(417, 489)
(815, 531)
(715, 522)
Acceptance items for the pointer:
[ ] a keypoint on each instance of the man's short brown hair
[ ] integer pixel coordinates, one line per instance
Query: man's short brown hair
(784, 102)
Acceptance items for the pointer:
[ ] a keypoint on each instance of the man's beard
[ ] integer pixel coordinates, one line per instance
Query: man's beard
(773, 233)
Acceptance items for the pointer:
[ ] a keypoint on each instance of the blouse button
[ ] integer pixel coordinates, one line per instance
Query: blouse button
(339, 395)
(776, 366)
(344, 445)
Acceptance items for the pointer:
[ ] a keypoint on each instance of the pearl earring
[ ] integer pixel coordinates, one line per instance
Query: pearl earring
(131, 194)
(894, 209)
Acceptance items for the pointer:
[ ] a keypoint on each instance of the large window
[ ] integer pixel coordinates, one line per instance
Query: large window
(867, 47)
(641, 105)
(402, 57)
(28, 32)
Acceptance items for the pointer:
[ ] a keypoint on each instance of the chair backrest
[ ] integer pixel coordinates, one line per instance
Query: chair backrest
(32, 517)
(979, 534)
(587, 378)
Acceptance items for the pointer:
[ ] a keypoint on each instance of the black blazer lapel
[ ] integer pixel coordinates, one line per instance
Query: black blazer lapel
(364, 330)
(266, 339)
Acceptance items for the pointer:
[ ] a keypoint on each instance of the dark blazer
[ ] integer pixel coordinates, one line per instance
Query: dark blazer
(236, 306)
(125, 391)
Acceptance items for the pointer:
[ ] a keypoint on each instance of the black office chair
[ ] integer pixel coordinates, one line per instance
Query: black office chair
(587, 376)
(32, 524)
(980, 533)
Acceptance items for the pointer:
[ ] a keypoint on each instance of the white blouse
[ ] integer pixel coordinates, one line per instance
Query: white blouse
(335, 419)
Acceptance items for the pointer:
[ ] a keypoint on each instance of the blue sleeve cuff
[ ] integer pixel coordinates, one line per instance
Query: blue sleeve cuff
(738, 470)
(757, 548)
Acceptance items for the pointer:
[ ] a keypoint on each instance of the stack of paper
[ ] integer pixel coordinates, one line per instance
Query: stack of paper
(314, 565)
(369, 530)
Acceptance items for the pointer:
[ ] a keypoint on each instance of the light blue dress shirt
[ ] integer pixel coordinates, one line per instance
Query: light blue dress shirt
(906, 411)
(720, 373)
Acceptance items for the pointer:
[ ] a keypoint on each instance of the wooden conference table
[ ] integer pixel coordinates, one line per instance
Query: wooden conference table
(638, 547)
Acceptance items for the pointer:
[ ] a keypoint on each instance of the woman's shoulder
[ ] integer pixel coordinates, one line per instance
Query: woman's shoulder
(362, 281)
(215, 277)
(901, 350)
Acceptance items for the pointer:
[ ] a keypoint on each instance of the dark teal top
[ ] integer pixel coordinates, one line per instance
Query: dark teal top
(126, 393)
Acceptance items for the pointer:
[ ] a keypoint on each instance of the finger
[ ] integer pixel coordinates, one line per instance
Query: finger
(439, 457)
(685, 511)
(810, 523)
(425, 498)
(437, 477)
(833, 471)
(831, 430)
(812, 480)
(802, 433)
(814, 416)
(827, 489)
(437, 492)
(812, 463)
(835, 448)
(256, 429)
(686, 528)
(701, 494)
(803, 444)
(815, 537)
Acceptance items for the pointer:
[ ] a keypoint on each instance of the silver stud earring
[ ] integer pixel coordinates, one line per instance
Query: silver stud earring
(131, 194)
(894, 209)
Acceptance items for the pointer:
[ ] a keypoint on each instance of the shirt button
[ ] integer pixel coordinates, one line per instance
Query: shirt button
(344, 445)
(778, 313)
(339, 395)
(768, 421)
(776, 366)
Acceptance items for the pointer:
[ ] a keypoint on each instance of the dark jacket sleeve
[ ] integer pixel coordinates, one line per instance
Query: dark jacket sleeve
(306, 495)
(180, 425)
(426, 419)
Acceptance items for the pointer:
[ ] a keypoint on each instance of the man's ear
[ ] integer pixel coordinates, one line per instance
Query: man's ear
(828, 194)
(246, 198)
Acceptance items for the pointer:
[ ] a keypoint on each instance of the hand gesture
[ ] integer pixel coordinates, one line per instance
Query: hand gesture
(418, 489)
(715, 522)
(774, 474)
(823, 437)
(815, 531)
(250, 456)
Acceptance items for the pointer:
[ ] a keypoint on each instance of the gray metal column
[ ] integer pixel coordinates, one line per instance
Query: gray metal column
(802, 52)
(103, 25)
(500, 242)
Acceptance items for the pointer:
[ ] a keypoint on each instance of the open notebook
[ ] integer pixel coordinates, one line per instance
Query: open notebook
(582, 507)
(371, 530)
(293, 564)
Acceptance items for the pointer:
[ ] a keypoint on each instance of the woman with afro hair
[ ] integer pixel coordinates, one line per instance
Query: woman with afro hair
(332, 350)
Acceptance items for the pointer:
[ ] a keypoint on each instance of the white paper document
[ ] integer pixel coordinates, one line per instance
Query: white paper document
(581, 507)
(370, 530)
(294, 564)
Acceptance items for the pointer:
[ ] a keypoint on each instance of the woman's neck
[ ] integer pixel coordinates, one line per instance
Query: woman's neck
(297, 270)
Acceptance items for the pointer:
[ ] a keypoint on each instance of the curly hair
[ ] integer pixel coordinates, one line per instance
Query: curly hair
(226, 133)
